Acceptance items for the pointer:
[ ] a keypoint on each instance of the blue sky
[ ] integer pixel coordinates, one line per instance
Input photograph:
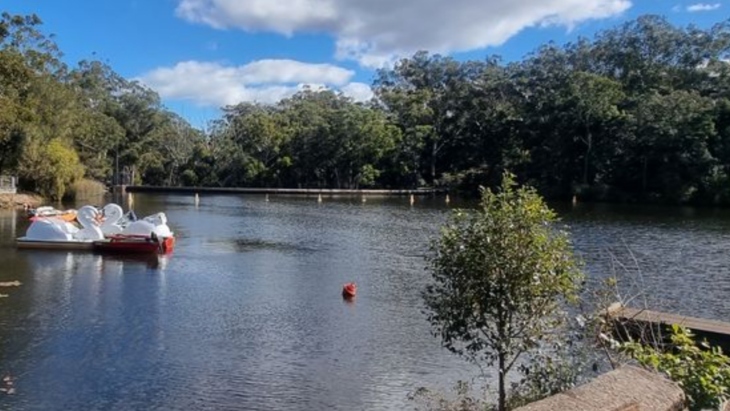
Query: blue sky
(202, 54)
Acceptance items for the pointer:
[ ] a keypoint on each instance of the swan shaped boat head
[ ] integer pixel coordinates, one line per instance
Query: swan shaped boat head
(112, 213)
(55, 233)
(87, 217)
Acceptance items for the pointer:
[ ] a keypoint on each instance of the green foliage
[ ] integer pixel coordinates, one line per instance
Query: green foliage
(549, 372)
(313, 139)
(500, 275)
(54, 123)
(465, 399)
(53, 167)
(702, 371)
(641, 112)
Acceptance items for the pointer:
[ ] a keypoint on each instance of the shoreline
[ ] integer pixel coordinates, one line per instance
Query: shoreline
(20, 200)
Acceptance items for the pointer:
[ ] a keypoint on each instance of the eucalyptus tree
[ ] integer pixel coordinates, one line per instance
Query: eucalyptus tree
(95, 141)
(138, 111)
(311, 144)
(366, 138)
(21, 34)
(595, 101)
(640, 53)
(420, 92)
(200, 168)
(485, 118)
(228, 157)
(671, 155)
(98, 139)
(27, 57)
(172, 144)
(335, 141)
(649, 53)
(547, 128)
(718, 181)
(15, 78)
(48, 162)
(259, 133)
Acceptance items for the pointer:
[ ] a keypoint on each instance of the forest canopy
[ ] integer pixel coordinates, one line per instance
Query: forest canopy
(640, 112)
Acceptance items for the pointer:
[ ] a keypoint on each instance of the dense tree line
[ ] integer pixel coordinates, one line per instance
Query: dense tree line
(641, 112)
(58, 124)
(638, 113)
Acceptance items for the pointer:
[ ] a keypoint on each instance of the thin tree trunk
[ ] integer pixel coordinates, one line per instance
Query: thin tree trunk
(172, 173)
(643, 176)
(434, 152)
(502, 406)
(502, 356)
(589, 143)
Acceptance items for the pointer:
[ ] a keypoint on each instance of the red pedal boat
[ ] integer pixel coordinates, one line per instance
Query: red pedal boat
(135, 244)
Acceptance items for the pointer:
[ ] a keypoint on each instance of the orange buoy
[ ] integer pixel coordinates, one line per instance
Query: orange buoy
(349, 290)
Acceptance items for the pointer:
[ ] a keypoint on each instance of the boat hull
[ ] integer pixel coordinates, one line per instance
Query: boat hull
(53, 245)
(123, 245)
(135, 244)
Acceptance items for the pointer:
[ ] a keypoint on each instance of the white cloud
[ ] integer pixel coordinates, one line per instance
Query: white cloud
(291, 71)
(703, 7)
(357, 91)
(375, 31)
(264, 81)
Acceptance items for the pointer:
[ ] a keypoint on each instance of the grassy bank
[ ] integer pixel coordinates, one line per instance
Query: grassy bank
(86, 188)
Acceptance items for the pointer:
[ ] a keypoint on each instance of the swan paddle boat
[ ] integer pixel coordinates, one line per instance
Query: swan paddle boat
(108, 230)
(124, 233)
(48, 211)
(57, 233)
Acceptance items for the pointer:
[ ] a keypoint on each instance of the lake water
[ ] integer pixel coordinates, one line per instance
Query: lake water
(247, 312)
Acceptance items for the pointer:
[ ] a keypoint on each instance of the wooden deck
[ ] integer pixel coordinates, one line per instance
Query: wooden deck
(716, 332)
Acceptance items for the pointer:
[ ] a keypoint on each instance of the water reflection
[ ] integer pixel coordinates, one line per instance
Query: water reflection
(9, 222)
(248, 313)
(86, 325)
(151, 261)
(52, 262)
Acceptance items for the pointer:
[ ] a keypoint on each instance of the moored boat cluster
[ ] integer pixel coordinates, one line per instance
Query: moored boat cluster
(107, 229)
